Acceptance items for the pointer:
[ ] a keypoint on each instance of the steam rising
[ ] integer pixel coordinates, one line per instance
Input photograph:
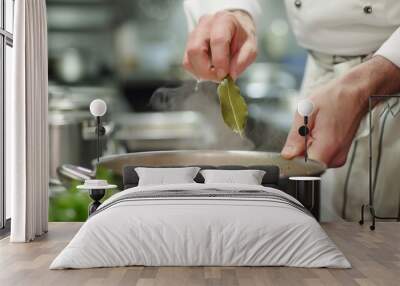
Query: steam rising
(203, 99)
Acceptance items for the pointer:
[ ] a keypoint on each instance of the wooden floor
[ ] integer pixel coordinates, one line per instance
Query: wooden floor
(375, 257)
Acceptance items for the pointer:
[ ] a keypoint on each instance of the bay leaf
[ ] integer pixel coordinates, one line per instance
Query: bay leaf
(233, 106)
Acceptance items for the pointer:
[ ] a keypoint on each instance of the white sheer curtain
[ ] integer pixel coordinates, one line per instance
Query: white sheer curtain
(26, 124)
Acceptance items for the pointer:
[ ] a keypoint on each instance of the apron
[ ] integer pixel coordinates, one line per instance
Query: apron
(345, 189)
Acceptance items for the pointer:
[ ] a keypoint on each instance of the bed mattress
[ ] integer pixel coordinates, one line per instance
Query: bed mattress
(201, 225)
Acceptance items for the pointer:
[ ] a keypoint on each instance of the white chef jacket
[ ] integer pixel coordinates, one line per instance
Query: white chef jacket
(336, 27)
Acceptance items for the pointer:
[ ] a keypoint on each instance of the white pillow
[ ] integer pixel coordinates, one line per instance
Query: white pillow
(164, 176)
(247, 177)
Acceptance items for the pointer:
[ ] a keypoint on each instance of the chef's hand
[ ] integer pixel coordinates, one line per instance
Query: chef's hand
(221, 44)
(338, 109)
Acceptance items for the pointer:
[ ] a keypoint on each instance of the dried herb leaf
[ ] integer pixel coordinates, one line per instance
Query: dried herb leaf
(233, 107)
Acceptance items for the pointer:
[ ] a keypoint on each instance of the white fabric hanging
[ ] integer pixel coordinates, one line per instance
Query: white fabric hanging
(26, 124)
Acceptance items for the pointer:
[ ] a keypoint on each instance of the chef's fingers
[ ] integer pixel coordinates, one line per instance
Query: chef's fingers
(295, 143)
(200, 63)
(243, 57)
(222, 32)
(329, 151)
(186, 64)
(323, 149)
(198, 51)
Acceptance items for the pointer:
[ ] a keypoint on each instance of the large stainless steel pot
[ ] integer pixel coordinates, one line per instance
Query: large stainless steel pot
(72, 135)
(295, 167)
(70, 139)
(115, 163)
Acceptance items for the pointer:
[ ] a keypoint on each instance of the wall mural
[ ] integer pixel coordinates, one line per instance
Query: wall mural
(129, 53)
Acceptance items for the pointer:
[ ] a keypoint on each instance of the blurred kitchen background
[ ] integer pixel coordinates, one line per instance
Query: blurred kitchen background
(129, 53)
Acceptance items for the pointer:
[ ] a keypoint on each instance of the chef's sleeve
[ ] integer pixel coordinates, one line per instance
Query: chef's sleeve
(194, 9)
(391, 48)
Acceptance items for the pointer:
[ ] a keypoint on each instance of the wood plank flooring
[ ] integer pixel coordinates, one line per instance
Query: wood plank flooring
(375, 257)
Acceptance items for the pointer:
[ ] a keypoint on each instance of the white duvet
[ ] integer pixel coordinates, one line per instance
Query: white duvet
(200, 231)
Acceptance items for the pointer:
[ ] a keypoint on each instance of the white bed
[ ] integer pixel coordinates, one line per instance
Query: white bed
(184, 230)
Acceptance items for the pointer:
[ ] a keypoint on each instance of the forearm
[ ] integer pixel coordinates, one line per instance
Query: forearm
(377, 76)
(387, 77)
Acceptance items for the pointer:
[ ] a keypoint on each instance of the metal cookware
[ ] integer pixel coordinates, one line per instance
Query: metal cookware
(115, 163)
(288, 168)
(71, 126)
(70, 140)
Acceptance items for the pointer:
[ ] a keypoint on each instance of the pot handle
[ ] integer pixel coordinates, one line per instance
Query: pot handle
(68, 173)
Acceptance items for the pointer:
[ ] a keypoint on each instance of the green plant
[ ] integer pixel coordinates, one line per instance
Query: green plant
(71, 204)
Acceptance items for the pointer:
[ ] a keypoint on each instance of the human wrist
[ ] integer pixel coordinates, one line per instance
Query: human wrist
(386, 75)
(356, 89)
(377, 76)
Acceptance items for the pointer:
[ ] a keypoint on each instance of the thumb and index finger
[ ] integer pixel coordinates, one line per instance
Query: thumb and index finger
(320, 146)
(221, 35)
(294, 145)
(215, 62)
(227, 59)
